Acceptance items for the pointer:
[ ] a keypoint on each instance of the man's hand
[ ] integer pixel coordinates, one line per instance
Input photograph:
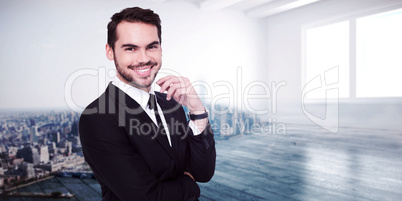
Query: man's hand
(182, 91)
(187, 173)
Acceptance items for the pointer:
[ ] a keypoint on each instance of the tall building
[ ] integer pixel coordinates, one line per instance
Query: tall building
(1, 170)
(65, 147)
(29, 154)
(25, 132)
(28, 170)
(56, 137)
(43, 154)
(34, 136)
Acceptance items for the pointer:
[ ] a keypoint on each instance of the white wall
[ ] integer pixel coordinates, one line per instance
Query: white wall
(47, 42)
(284, 32)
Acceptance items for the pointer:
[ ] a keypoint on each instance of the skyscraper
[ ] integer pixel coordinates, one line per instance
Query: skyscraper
(34, 137)
(44, 154)
(29, 154)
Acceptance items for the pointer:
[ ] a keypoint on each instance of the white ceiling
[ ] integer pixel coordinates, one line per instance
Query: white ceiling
(252, 8)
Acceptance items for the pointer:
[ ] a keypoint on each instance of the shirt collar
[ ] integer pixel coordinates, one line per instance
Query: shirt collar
(140, 96)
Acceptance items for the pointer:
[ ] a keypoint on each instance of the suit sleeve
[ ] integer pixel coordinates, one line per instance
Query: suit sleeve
(202, 155)
(121, 169)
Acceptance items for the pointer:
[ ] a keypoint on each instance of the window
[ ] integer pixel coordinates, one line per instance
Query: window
(367, 52)
(379, 55)
(328, 47)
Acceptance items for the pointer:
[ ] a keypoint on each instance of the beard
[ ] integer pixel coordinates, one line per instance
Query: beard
(136, 82)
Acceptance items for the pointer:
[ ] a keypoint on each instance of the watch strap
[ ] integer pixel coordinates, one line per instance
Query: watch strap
(198, 116)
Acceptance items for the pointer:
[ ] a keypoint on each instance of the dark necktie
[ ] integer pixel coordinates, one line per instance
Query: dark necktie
(152, 106)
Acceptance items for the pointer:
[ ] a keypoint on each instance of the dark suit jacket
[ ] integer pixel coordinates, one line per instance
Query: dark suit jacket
(131, 158)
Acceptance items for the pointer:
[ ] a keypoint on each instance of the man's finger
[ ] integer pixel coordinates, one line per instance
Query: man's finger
(179, 95)
(163, 79)
(172, 90)
(189, 174)
(165, 84)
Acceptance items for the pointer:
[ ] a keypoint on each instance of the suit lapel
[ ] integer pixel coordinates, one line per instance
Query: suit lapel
(127, 108)
(169, 117)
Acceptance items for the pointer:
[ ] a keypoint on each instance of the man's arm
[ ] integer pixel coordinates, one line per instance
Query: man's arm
(202, 155)
(202, 146)
(121, 169)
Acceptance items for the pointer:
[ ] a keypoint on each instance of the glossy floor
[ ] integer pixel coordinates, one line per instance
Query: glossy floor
(309, 163)
(305, 163)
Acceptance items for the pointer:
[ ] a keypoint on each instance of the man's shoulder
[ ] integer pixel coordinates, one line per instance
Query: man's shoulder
(99, 104)
(95, 104)
(97, 112)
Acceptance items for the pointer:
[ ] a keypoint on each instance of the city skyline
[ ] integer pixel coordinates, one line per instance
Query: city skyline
(40, 144)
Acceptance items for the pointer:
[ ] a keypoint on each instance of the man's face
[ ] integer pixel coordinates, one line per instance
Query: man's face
(137, 54)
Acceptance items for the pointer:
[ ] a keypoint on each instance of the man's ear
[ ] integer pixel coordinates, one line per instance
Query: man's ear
(109, 52)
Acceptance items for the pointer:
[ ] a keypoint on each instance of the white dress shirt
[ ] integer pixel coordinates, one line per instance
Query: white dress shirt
(142, 97)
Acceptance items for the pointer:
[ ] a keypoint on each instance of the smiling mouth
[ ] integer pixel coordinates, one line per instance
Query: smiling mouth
(143, 71)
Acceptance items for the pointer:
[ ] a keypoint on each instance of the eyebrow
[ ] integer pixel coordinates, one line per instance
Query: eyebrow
(153, 43)
(129, 45)
(135, 46)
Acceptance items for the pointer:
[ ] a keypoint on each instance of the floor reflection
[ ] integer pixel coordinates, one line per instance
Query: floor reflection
(309, 164)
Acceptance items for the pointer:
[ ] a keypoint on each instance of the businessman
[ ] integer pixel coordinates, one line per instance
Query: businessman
(139, 142)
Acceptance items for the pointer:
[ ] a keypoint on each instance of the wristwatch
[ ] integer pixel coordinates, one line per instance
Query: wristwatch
(198, 116)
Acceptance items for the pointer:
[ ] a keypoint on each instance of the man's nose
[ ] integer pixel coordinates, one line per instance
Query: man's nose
(143, 57)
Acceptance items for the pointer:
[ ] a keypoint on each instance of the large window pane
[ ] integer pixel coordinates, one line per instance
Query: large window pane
(328, 47)
(379, 55)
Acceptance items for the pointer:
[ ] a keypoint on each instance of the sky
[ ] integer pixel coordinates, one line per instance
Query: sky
(43, 42)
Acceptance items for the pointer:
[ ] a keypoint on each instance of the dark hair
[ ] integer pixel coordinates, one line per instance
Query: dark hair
(134, 14)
